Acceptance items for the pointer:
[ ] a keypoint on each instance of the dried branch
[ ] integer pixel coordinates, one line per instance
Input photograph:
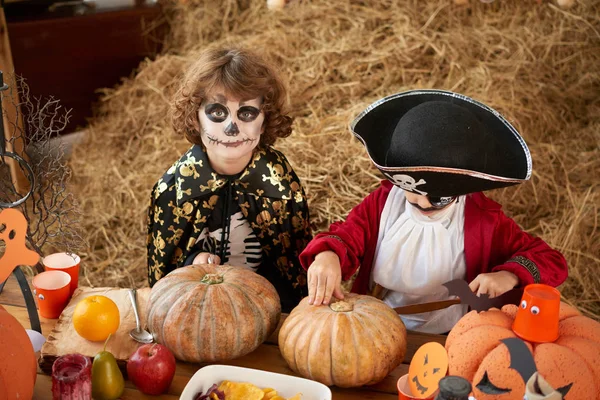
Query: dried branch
(52, 212)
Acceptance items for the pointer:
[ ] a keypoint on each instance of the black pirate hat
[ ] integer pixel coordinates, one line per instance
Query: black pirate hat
(439, 143)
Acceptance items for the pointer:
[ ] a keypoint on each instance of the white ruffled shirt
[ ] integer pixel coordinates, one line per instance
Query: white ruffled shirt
(415, 255)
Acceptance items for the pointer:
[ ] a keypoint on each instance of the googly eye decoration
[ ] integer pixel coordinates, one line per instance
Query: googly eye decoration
(524, 304)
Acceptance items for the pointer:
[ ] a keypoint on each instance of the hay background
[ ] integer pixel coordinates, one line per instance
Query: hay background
(536, 64)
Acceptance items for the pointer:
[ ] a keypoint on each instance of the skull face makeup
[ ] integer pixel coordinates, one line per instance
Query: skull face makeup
(230, 128)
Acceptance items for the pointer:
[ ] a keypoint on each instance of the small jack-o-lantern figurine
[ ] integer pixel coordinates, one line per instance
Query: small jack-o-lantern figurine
(427, 367)
(537, 318)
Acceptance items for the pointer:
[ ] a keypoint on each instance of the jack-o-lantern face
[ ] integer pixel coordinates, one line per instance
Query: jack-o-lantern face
(521, 360)
(428, 366)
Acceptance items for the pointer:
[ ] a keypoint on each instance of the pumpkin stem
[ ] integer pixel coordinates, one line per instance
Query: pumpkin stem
(107, 339)
(211, 279)
(341, 306)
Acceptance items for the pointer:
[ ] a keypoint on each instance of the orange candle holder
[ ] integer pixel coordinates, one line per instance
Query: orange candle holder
(404, 392)
(66, 262)
(51, 289)
(537, 318)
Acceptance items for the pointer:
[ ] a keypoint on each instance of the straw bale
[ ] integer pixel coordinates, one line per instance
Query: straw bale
(535, 63)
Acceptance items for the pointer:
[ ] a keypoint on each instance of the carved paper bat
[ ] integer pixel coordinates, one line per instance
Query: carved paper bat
(460, 288)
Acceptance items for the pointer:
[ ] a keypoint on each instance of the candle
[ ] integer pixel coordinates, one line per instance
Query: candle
(72, 378)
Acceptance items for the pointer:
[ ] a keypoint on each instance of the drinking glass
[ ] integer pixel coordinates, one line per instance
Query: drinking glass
(72, 378)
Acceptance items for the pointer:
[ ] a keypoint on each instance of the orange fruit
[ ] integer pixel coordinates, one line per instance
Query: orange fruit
(96, 317)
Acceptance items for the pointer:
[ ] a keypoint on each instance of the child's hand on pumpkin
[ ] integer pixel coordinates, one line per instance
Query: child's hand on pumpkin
(324, 278)
(207, 258)
(494, 283)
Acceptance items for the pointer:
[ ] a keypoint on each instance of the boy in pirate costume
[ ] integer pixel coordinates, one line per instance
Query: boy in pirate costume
(231, 198)
(429, 223)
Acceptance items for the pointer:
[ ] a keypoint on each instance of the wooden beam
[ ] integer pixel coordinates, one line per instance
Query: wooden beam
(11, 117)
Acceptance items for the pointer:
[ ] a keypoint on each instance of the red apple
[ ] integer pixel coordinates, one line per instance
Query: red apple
(151, 368)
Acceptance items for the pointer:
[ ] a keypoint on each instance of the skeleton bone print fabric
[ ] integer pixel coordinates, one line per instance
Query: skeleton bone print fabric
(243, 248)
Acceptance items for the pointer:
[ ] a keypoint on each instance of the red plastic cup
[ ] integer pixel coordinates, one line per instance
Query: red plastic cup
(51, 289)
(72, 378)
(404, 392)
(537, 318)
(66, 262)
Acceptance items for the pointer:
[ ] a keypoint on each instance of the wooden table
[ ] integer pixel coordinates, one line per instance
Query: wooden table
(266, 358)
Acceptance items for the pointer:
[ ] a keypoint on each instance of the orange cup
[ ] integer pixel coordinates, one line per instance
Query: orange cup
(51, 289)
(404, 392)
(537, 318)
(66, 262)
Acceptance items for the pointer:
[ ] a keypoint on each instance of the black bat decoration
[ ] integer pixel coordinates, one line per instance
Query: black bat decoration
(486, 386)
(460, 288)
(521, 360)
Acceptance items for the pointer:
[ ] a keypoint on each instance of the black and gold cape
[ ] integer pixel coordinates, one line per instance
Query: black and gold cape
(270, 197)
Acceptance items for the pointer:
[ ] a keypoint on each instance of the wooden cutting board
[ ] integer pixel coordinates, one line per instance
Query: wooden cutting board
(65, 340)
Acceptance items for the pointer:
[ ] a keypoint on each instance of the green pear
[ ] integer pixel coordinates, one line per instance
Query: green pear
(107, 379)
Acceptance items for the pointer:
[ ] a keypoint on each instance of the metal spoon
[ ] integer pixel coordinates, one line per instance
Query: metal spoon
(138, 334)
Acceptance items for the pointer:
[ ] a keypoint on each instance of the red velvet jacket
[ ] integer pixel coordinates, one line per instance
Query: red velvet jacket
(493, 242)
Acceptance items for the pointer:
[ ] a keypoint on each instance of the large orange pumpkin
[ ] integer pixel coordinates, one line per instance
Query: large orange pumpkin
(348, 343)
(18, 369)
(474, 349)
(207, 313)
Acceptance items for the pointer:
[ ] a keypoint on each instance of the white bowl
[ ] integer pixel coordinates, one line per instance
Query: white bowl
(285, 385)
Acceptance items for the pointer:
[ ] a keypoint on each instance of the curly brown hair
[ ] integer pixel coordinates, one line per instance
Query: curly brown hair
(241, 74)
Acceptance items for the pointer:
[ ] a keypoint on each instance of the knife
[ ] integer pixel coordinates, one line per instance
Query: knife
(460, 288)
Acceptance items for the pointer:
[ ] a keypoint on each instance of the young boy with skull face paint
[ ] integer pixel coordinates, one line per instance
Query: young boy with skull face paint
(429, 223)
(232, 198)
